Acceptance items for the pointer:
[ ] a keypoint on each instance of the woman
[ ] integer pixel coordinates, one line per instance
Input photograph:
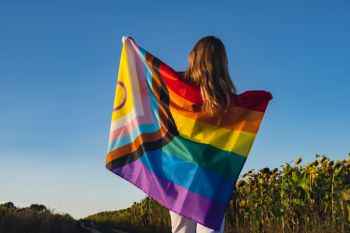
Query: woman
(207, 68)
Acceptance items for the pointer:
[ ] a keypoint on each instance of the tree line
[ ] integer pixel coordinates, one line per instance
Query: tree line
(314, 197)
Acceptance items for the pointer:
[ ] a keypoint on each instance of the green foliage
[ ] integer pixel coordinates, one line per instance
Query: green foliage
(35, 219)
(144, 217)
(310, 198)
(297, 198)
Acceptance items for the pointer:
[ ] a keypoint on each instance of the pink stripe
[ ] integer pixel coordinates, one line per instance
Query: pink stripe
(127, 129)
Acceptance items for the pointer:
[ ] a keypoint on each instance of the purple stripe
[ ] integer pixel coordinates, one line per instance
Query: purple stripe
(125, 96)
(174, 197)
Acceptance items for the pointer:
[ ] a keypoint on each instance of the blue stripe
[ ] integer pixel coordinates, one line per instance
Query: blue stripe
(189, 176)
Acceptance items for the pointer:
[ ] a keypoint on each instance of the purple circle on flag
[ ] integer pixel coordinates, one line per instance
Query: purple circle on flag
(125, 95)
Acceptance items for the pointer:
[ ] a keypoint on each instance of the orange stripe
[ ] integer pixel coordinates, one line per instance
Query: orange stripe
(130, 148)
(236, 119)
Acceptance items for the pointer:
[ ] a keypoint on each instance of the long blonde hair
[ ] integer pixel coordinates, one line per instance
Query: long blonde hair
(208, 68)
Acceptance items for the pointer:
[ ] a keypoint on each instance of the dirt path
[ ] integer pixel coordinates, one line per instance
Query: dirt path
(118, 231)
(92, 230)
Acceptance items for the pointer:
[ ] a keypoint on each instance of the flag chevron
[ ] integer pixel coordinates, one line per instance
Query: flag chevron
(163, 143)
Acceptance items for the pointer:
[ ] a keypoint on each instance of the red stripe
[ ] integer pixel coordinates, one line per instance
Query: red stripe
(255, 100)
(173, 81)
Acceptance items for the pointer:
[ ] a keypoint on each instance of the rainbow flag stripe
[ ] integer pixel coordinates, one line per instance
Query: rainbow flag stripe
(163, 143)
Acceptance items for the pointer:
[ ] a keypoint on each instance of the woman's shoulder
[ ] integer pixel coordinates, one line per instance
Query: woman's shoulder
(184, 79)
(181, 73)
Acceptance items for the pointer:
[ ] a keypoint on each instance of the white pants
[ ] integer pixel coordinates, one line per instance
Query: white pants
(180, 224)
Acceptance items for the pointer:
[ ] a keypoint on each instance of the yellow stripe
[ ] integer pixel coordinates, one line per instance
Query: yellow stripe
(123, 76)
(236, 141)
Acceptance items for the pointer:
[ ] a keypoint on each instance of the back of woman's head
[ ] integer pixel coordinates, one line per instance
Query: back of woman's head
(208, 68)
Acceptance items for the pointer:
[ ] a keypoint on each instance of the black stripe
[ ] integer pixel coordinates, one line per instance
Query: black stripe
(164, 96)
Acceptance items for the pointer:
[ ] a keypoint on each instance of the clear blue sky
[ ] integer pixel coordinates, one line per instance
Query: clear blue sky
(58, 68)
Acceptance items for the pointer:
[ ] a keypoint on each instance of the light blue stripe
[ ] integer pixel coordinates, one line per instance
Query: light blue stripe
(129, 138)
(142, 52)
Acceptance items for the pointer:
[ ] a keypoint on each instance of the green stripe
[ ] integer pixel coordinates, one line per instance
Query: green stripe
(222, 162)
